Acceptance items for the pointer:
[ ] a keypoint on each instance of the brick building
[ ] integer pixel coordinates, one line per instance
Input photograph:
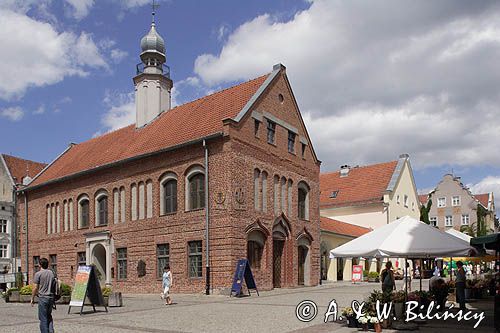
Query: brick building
(239, 160)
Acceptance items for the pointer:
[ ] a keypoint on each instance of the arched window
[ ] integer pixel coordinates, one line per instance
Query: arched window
(303, 201)
(142, 200)
(48, 220)
(149, 199)
(116, 206)
(264, 191)
(283, 195)
(70, 212)
(255, 248)
(101, 208)
(65, 215)
(195, 183)
(276, 195)
(168, 193)
(122, 204)
(133, 201)
(83, 212)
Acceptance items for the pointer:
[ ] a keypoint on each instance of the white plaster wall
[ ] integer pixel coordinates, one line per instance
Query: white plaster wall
(372, 216)
(405, 186)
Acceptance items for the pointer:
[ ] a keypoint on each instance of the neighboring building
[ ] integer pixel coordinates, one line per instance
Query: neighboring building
(333, 234)
(454, 206)
(368, 196)
(14, 172)
(134, 199)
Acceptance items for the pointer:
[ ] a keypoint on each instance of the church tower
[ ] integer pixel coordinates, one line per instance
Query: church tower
(153, 85)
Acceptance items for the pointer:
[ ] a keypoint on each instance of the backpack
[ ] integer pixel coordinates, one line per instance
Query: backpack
(55, 286)
(387, 281)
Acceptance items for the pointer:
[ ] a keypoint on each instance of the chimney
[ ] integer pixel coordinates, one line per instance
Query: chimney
(344, 170)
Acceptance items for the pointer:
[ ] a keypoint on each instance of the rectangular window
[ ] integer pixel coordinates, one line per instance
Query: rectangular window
(195, 259)
(121, 261)
(433, 221)
(81, 258)
(271, 131)
(455, 200)
(291, 142)
(303, 150)
(465, 219)
(441, 202)
(448, 222)
(162, 257)
(36, 264)
(3, 226)
(256, 128)
(398, 201)
(3, 251)
(53, 263)
(406, 201)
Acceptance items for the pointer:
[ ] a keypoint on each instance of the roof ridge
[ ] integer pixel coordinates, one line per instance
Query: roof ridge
(360, 167)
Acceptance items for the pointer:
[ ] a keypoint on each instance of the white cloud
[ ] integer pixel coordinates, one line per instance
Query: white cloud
(38, 55)
(376, 79)
(120, 113)
(486, 185)
(118, 55)
(80, 8)
(40, 110)
(135, 3)
(12, 113)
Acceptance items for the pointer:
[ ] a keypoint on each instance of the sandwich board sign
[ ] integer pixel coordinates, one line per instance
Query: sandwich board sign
(86, 286)
(357, 273)
(243, 273)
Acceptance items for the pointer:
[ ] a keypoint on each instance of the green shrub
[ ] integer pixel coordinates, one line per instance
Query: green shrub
(26, 290)
(19, 280)
(65, 290)
(365, 273)
(373, 275)
(106, 291)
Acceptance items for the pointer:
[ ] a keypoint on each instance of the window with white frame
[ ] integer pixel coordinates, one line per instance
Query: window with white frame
(101, 208)
(3, 251)
(433, 221)
(83, 212)
(448, 222)
(455, 200)
(3, 226)
(303, 201)
(441, 202)
(195, 188)
(465, 219)
(168, 193)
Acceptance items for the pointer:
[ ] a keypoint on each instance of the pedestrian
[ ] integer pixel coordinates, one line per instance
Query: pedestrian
(407, 276)
(45, 281)
(436, 271)
(167, 284)
(388, 282)
(460, 285)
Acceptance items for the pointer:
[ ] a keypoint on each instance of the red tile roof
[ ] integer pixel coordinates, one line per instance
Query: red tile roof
(423, 198)
(342, 228)
(361, 186)
(483, 198)
(182, 124)
(20, 168)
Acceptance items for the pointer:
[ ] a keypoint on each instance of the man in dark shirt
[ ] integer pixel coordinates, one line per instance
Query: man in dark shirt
(44, 279)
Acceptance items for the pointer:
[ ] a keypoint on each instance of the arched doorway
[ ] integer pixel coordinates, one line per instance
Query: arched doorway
(99, 260)
(303, 258)
(280, 235)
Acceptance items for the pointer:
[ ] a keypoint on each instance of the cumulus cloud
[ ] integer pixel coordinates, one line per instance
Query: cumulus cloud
(120, 111)
(118, 55)
(40, 110)
(39, 55)
(12, 113)
(80, 8)
(486, 185)
(376, 79)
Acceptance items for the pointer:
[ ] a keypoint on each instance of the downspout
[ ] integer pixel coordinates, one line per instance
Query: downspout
(207, 219)
(26, 232)
(14, 236)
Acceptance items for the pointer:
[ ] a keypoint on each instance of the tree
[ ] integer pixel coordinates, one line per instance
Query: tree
(481, 229)
(424, 212)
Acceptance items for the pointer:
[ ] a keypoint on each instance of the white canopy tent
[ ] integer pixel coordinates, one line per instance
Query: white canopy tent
(459, 234)
(406, 237)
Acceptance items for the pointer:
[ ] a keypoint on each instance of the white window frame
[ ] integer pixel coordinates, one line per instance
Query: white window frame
(193, 171)
(458, 201)
(79, 222)
(433, 220)
(441, 204)
(100, 194)
(164, 179)
(465, 217)
(450, 224)
(4, 251)
(4, 226)
(305, 187)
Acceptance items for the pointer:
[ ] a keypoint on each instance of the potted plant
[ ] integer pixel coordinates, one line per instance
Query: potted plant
(25, 294)
(363, 320)
(398, 299)
(65, 294)
(348, 313)
(12, 295)
(365, 275)
(376, 324)
(106, 291)
(373, 277)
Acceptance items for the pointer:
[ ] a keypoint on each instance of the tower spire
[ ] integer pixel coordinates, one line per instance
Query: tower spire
(154, 6)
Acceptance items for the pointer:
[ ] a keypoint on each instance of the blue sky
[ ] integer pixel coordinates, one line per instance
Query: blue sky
(373, 79)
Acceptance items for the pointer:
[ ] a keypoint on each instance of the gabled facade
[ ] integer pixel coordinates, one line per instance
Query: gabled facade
(370, 196)
(14, 172)
(231, 175)
(454, 206)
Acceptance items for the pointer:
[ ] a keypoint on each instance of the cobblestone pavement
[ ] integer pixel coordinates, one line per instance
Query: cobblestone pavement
(272, 311)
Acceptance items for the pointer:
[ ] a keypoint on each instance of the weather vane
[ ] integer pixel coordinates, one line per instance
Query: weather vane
(154, 6)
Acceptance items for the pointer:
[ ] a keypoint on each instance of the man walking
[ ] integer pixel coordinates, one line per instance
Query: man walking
(44, 280)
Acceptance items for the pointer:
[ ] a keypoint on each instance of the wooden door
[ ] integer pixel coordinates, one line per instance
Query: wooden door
(302, 253)
(277, 255)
